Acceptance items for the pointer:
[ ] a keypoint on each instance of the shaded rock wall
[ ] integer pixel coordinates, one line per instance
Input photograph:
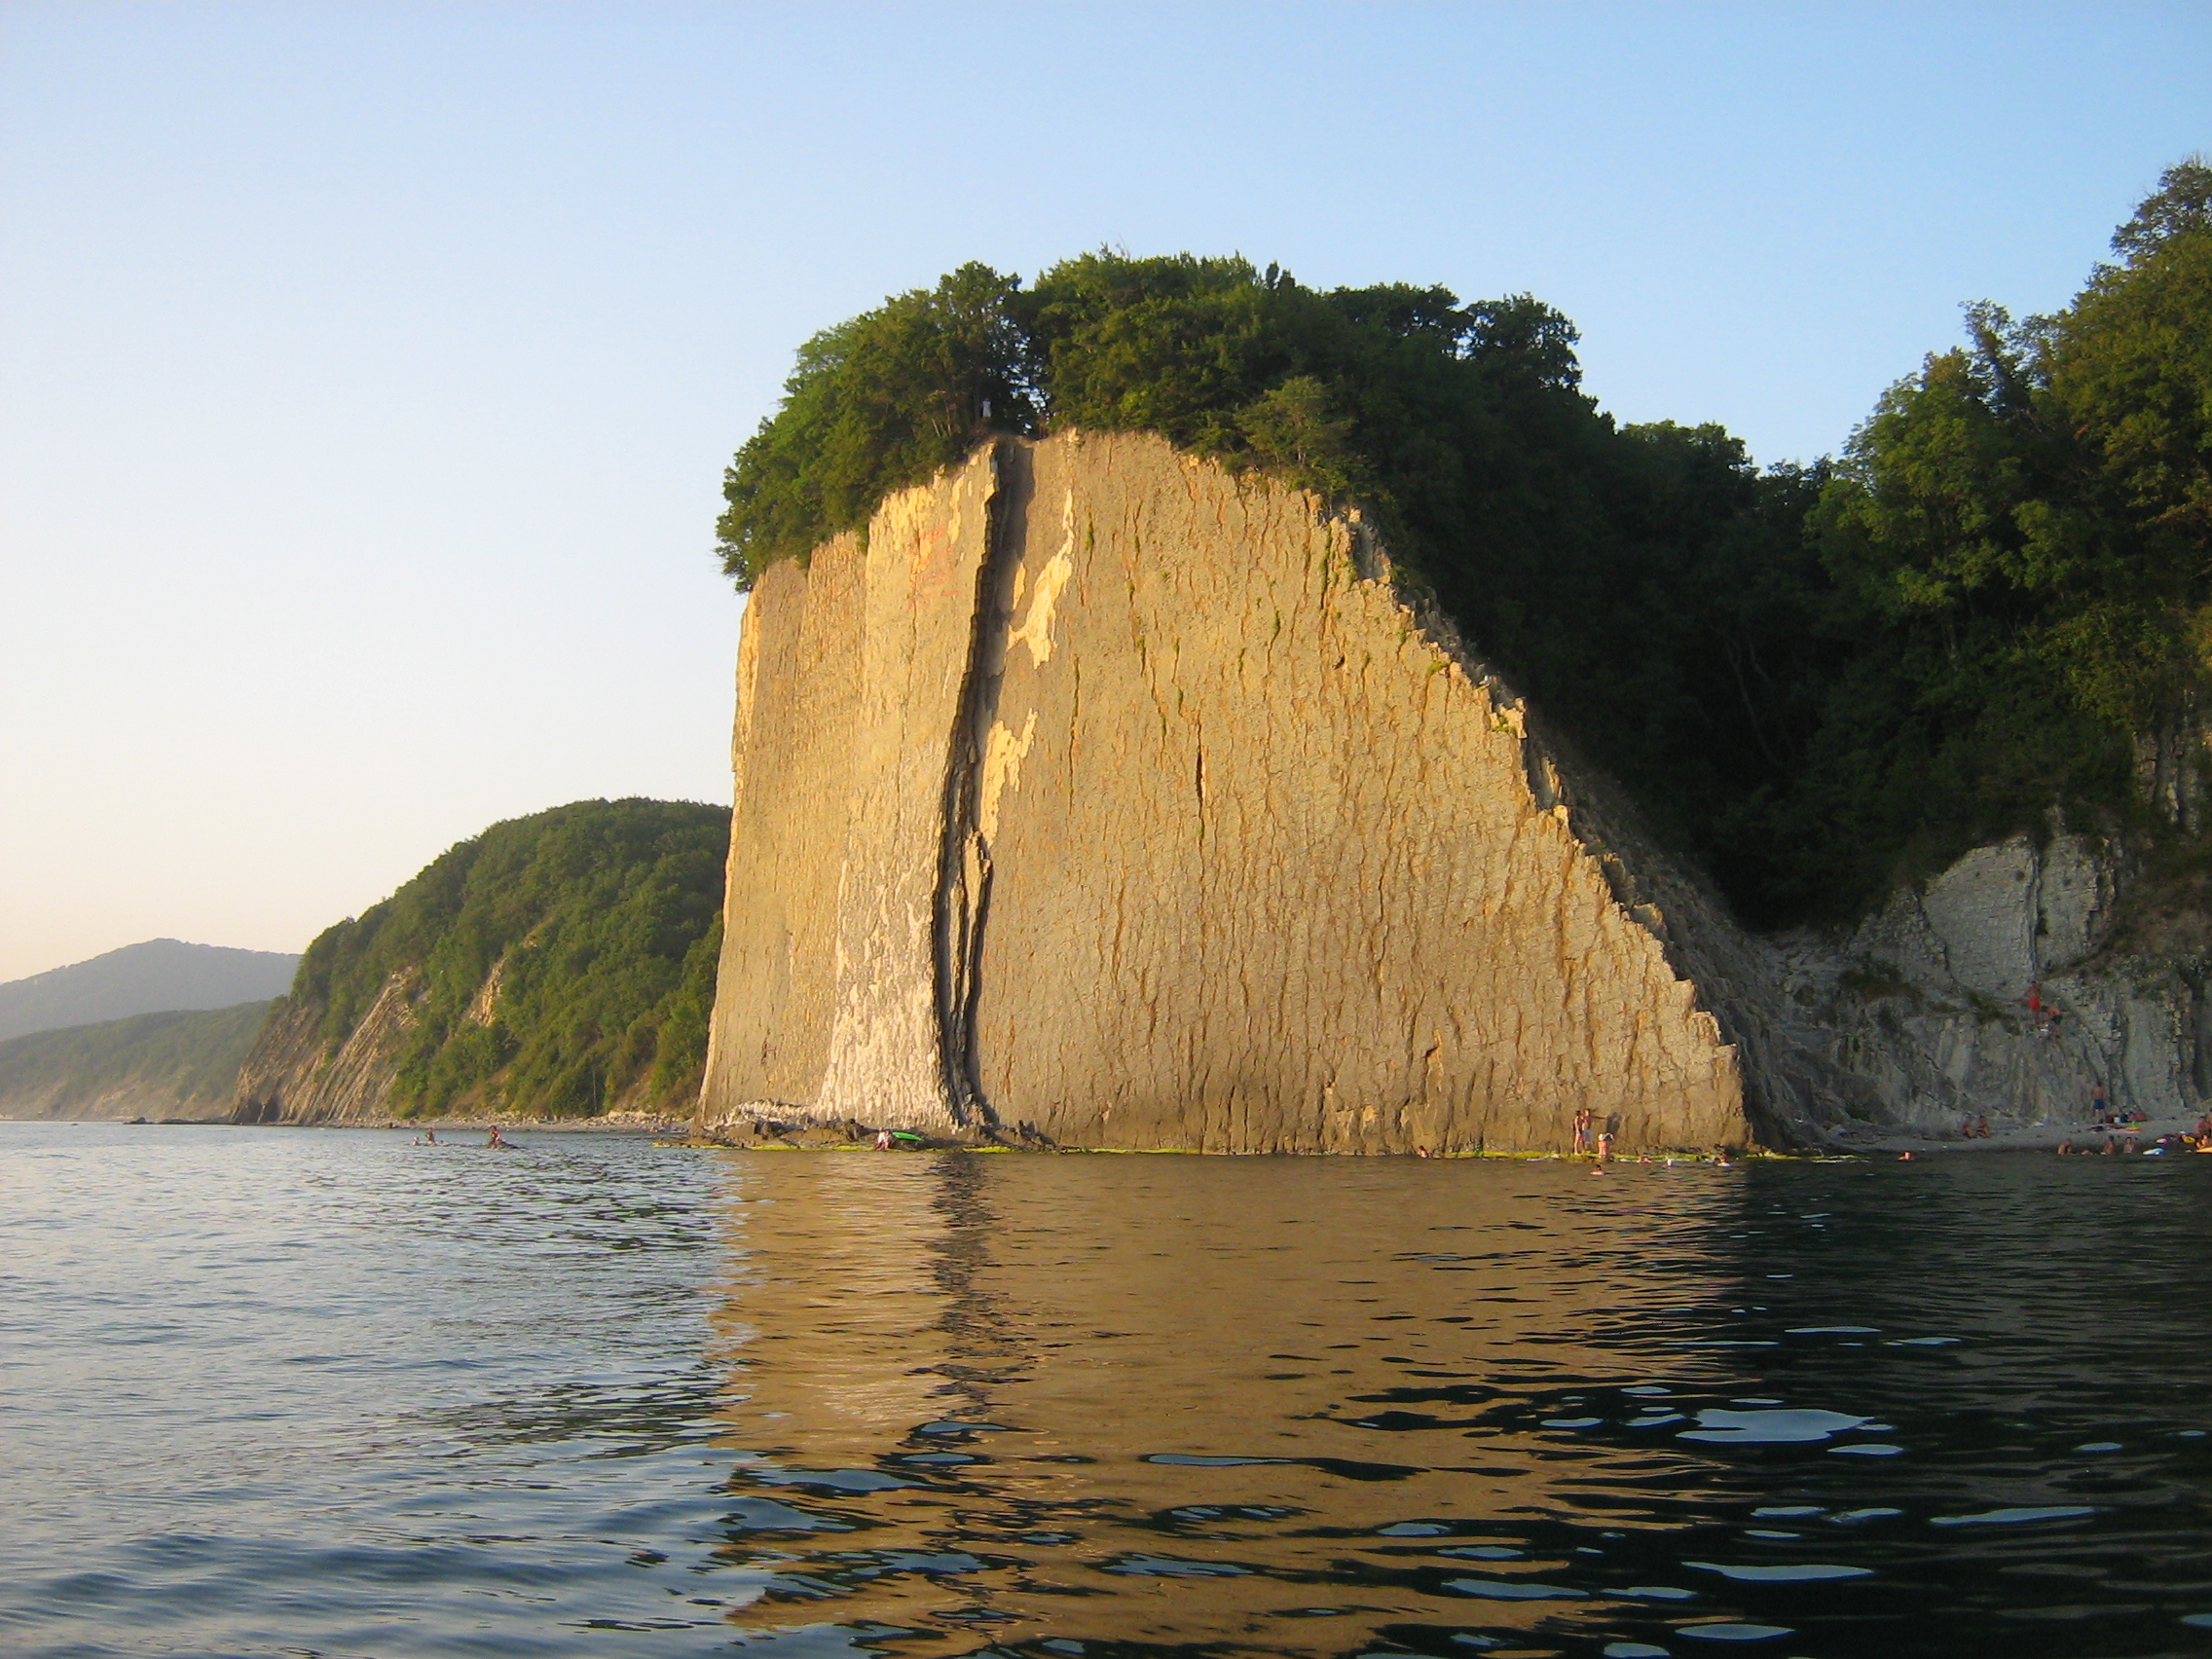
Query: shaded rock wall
(1104, 800)
(1923, 1012)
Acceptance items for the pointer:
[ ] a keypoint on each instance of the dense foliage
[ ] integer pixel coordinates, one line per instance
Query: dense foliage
(2021, 544)
(556, 963)
(1814, 679)
(185, 1061)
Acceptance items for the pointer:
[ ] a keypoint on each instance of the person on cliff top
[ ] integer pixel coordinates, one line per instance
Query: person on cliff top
(1581, 1131)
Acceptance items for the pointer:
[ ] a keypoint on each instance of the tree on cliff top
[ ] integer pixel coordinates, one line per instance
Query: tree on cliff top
(1329, 389)
(876, 404)
(1814, 681)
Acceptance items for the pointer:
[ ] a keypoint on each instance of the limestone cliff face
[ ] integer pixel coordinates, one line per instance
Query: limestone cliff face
(1100, 798)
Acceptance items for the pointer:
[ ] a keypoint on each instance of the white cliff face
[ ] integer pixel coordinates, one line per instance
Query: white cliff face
(1104, 800)
(1924, 1007)
(1997, 921)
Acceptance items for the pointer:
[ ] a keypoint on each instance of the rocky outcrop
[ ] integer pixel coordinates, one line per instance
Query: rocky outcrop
(1098, 798)
(1992, 991)
(296, 1074)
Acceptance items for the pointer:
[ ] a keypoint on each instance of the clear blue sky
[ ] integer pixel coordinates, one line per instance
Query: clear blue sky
(370, 369)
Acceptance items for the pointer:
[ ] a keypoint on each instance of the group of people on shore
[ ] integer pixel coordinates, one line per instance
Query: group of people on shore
(1595, 1139)
(2127, 1139)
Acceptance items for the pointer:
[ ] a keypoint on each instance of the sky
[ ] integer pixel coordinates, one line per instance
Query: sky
(367, 372)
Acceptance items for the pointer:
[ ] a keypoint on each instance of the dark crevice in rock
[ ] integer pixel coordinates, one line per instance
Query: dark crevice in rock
(964, 858)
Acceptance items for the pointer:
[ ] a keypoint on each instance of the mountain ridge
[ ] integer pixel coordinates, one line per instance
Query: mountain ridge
(155, 976)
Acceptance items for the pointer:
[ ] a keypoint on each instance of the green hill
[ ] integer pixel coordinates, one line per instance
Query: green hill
(559, 964)
(1816, 681)
(178, 1064)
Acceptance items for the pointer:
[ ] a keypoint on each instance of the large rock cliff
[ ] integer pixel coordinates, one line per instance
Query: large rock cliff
(1097, 797)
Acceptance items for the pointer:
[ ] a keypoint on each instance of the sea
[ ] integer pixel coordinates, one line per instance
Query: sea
(333, 1394)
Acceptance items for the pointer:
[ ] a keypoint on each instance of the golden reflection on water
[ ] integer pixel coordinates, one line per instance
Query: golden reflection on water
(1378, 1332)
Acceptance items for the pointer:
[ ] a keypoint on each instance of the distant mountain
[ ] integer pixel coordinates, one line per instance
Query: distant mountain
(181, 1064)
(157, 977)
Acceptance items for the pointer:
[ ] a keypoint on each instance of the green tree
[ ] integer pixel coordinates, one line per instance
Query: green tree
(874, 405)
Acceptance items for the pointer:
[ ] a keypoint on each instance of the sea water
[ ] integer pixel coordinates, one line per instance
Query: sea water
(308, 1392)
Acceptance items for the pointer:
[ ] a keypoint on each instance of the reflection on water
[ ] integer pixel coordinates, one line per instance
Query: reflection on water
(271, 1391)
(1105, 1406)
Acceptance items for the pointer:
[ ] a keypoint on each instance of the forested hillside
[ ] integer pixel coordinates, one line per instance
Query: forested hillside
(558, 964)
(179, 1064)
(1816, 679)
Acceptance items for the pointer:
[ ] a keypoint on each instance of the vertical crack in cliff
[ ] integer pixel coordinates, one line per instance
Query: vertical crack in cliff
(964, 854)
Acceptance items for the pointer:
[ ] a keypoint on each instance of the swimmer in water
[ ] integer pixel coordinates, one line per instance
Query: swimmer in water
(493, 1142)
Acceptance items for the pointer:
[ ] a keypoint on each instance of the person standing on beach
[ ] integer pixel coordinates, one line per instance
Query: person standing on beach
(2098, 1103)
(1581, 1133)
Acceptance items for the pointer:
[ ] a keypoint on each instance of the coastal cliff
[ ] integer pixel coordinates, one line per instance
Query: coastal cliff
(1099, 797)
(559, 964)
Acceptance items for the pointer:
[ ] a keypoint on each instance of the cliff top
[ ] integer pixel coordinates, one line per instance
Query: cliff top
(1816, 681)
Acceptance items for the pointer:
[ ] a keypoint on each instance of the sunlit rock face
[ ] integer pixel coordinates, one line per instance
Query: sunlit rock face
(1102, 798)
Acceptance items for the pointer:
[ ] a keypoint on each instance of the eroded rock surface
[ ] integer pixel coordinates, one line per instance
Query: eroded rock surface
(1989, 992)
(1104, 800)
